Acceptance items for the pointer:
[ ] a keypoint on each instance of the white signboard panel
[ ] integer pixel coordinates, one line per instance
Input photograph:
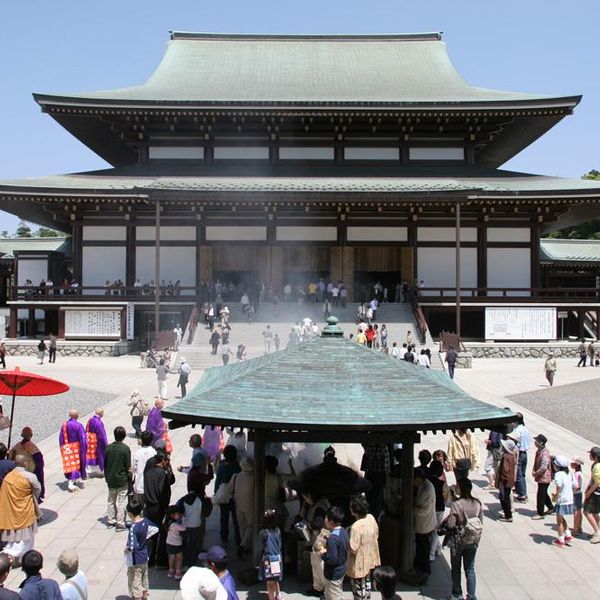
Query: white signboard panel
(130, 321)
(94, 323)
(520, 323)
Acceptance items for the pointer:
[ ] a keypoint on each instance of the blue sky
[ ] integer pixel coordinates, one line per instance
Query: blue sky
(535, 46)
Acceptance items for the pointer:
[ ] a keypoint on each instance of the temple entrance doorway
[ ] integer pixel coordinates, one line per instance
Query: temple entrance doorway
(365, 281)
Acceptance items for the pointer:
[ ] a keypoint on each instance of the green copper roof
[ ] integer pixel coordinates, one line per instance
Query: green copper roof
(201, 68)
(570, 251)
(332, 383)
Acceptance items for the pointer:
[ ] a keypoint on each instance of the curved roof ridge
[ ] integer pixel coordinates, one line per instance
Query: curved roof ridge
(338, 37)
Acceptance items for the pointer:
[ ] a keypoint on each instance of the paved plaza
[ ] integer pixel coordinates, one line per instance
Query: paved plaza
(515, 560)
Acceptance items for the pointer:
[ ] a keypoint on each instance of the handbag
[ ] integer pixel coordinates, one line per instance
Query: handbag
(92, 443)
(302, 531)
(223, 494)
(69, 453)
(272, 565)
(463, 464)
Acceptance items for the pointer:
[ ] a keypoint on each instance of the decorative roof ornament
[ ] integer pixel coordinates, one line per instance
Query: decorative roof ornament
(332, 329)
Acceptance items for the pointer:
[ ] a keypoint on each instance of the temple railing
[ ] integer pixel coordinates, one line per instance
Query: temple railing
(193, 323)
(420, 321)
(91, 292)
(516, 294)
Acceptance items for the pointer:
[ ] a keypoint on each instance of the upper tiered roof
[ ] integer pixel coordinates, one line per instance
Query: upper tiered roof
(204, 69)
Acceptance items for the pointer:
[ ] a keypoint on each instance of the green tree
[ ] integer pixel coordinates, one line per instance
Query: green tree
(23, 230)
(588, 230)
(47, 232)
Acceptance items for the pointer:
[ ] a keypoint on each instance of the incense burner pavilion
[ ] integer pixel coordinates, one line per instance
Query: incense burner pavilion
(285, 158)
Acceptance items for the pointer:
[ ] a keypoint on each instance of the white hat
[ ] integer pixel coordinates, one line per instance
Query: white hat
(509, 445)
(200, 583)
(562, 461)
(515, 436)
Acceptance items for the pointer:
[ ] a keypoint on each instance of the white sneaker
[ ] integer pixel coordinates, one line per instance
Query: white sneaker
(72, 487)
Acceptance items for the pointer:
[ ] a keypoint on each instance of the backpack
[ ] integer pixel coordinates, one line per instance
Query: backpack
(469, 532)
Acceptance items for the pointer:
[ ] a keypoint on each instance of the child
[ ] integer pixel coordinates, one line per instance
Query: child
(270, 559)
(136, 552)
(576, 464)
(335, 554)
(385, 582)
(564, 499)
(174, 526)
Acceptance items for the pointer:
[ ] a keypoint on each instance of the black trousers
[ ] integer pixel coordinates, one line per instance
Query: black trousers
(157, 554)
(422, 548)
(52, 355)
(226, 510)
(543, 499)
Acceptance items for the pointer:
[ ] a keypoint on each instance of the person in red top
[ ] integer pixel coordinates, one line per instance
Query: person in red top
(370, 333)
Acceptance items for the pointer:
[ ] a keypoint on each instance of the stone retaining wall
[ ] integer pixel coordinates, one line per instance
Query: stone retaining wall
(68, 348)
(521, 350)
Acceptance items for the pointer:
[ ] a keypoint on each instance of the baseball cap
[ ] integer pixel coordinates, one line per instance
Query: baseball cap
(202, 582)
(540, 438)
(213, 554)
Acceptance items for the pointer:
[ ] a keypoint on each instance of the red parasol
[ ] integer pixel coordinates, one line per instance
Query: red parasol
(21, 383)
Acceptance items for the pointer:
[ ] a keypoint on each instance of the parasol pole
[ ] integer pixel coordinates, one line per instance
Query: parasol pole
(12, 413)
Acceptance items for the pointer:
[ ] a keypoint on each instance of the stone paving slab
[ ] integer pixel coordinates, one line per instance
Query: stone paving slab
(514, 560)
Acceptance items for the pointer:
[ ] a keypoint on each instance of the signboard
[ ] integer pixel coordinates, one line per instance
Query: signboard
(93, 323)
(520, 323)
(130, 321)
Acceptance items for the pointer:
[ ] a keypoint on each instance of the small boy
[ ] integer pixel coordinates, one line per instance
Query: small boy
(385, 582)
(137, 570)
(335, 554)
(216, 560)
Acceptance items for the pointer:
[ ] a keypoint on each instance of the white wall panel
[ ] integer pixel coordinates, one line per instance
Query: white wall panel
(508, 234)
(446, 234)
(101, 263)
(97, 233)
(356, 153)
(167, 233)
(235, 233)
(175, 152)
(509, 268)
(241, 152)
(436, 153)
(176, 262)
(437, 267)
(377, 234)
(305, 153)
(33, 269)
(306, 234)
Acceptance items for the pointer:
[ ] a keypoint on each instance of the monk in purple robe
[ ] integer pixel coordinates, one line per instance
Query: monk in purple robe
(155, 423)
(95, 455)
(75, 433)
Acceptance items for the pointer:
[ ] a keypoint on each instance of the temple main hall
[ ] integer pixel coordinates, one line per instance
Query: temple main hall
(288, 158)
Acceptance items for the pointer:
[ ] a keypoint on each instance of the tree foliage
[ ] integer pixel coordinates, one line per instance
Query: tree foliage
(47, 232)
(23, 230)
(588, 230)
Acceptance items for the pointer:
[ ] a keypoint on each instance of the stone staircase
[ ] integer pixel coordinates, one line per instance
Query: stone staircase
(397, 317)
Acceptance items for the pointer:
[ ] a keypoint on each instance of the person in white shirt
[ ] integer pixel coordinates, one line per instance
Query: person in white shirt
(140, 458)
(423, 359)
(395, 351)
(75, 586)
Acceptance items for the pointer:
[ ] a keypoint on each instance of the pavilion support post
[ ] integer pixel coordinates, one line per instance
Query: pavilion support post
(13, 323)
(259, 478)
(157, 273)
(407, 543)
(598, 324)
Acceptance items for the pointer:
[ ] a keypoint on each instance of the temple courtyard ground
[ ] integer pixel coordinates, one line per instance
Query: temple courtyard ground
(515, 560)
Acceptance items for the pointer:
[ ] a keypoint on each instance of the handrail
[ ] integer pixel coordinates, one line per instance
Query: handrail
(193, 323)
(65, 292)
(478, 294)
(419, 316)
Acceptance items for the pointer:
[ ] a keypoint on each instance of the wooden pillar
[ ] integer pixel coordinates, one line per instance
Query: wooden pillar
(535, 256)
(78, 253)
(276, 275)
(130, 258)
(157, 208)
(31, 331)
(61, 324)
(12, 325)
(482, 257)
(200, 241)
(407, 542)
(259, 478)
(206, 263)
(597, 324)
(335, 263)
(581, 322)
(348, 270)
